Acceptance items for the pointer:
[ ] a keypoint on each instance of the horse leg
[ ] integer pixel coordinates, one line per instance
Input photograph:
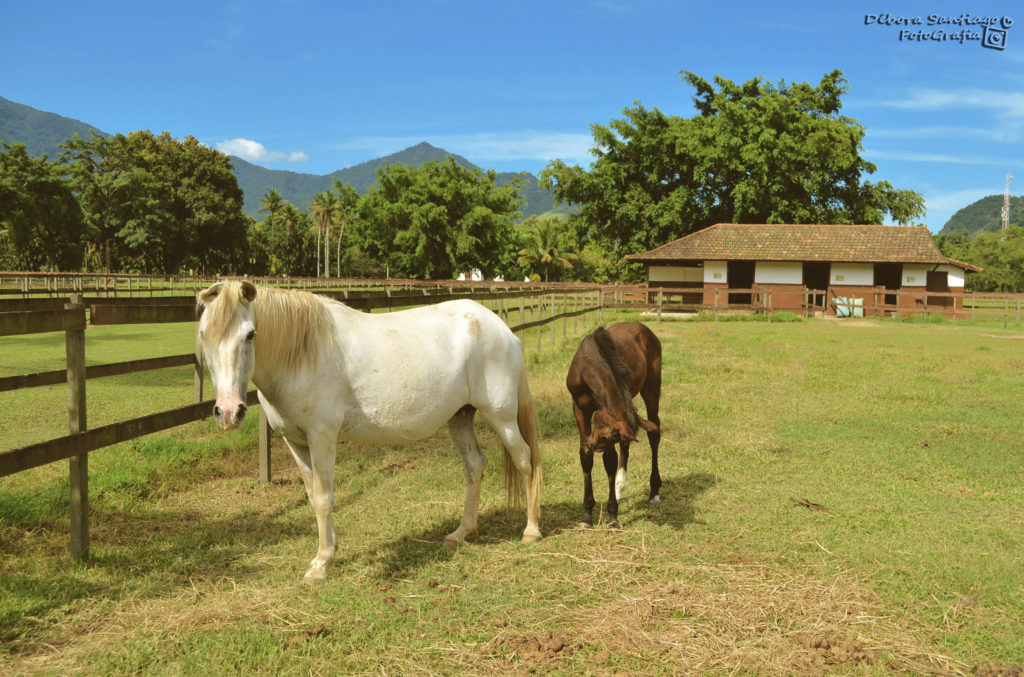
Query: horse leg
(611, 461)
(316, 466)
(473, 461)
(583, 419)
(587, 463)
(620, 474)
(519, 452)
(651, 394)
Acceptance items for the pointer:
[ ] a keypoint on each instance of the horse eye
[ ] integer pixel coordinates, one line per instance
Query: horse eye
(250, 335)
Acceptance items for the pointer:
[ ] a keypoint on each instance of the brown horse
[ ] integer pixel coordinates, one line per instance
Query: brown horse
(610, 367)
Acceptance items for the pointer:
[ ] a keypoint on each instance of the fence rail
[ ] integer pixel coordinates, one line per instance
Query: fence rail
(70, 313)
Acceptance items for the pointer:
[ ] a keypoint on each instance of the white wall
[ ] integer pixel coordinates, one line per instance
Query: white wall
(956, 276)
(778, 272)
(716, 272)
(675, 274)
(915, 275)
(861, 274)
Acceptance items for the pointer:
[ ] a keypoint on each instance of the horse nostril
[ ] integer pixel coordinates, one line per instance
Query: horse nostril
(240, 414)
(216, 411)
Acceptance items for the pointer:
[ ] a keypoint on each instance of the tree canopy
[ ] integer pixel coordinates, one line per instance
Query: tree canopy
(41, 222)
(755, 152)
(153, 203)
(437, 220)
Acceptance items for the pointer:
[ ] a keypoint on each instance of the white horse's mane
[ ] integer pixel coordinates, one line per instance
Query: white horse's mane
(291, 326)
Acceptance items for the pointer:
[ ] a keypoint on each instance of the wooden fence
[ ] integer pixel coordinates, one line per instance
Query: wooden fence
(831, 302)
(533, 307)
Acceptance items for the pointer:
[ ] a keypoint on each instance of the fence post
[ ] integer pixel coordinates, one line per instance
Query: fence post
(554, 300)
(78, 466)
(264, 452)
(540, 316)
(522, 320)
(661, 299)
(197, 380)
(716, 303)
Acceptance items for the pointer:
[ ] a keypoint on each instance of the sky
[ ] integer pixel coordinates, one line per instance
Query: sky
(315, 86)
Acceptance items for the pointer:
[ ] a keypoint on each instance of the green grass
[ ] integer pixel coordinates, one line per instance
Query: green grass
(908, 434)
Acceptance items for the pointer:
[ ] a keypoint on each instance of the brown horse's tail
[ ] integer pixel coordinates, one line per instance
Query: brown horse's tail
(526, 419)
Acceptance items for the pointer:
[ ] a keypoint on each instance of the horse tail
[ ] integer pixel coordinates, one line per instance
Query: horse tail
(526, 419)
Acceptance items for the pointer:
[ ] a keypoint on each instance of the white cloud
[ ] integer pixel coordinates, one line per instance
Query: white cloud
(945, 158)
(1010, 104)
(254, 151)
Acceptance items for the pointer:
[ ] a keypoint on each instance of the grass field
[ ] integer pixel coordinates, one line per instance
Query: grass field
(841, 497)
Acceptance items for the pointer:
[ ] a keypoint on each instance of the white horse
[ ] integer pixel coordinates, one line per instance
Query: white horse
(325, 371)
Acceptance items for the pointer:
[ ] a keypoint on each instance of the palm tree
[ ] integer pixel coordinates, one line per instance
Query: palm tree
(546, 248)
(324, 211)
(348, 199)
(272, 203)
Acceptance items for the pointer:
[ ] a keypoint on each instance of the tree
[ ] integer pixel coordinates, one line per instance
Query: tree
(40, 219)
(1000, 255)
(437, 220)
(324, 211)
(753, 153)
(153, 203)
(272, 203)
(546, 248)
(348, 201)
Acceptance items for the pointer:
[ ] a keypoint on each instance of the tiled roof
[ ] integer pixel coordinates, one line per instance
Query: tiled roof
(800, 242)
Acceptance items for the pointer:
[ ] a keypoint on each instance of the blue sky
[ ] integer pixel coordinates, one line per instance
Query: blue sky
(314, 86)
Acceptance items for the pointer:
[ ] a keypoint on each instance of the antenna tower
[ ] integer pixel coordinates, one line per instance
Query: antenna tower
(1006, 203)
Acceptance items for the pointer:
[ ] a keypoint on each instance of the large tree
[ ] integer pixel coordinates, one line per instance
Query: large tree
(41, 223)
(157, 204)
(438, 220)
(753, 153)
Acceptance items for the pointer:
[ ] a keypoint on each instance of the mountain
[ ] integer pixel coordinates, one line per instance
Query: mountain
(41, 132)
(38, 130)
(299, 189)
(984, 216)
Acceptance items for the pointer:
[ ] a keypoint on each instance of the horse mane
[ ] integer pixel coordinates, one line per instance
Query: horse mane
(619, 372)
(291, 326)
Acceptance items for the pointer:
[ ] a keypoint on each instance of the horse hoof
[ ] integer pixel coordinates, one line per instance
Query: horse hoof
(314, 576)
(531, 538)
(614, 524)
(655, 500)
(451, 543)
(583, 525)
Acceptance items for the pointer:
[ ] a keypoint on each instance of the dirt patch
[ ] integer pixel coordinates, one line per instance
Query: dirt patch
(540, 651)
(397, 464)
(715, 618)
(998, 670)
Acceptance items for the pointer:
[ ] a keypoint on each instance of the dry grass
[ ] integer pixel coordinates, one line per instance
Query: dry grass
(202, 573)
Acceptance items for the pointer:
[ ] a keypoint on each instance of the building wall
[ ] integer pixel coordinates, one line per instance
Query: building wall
(852, 274)
(716, 272)
(775, 272)
(675, 274)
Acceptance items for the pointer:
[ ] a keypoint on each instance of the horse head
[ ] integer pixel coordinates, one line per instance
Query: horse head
(225, 335)
(609, 431)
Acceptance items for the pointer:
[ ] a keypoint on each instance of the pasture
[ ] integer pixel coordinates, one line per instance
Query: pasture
(840, 497)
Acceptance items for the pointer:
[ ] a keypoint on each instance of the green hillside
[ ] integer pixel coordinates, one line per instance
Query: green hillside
(41, 132)
(984, 216)
(299, 189)
(38, 130)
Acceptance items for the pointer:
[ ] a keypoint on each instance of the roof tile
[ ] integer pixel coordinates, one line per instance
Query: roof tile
(800, 242)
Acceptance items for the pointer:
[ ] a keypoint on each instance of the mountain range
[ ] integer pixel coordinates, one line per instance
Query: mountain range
(41, 132)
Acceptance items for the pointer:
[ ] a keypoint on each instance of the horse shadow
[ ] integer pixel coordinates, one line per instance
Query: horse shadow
(404, 556)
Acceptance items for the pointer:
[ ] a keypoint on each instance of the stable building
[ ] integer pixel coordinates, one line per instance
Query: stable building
(840, 270)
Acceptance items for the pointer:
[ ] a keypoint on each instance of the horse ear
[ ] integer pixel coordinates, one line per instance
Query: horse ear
(248, 291)
(209, 294)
